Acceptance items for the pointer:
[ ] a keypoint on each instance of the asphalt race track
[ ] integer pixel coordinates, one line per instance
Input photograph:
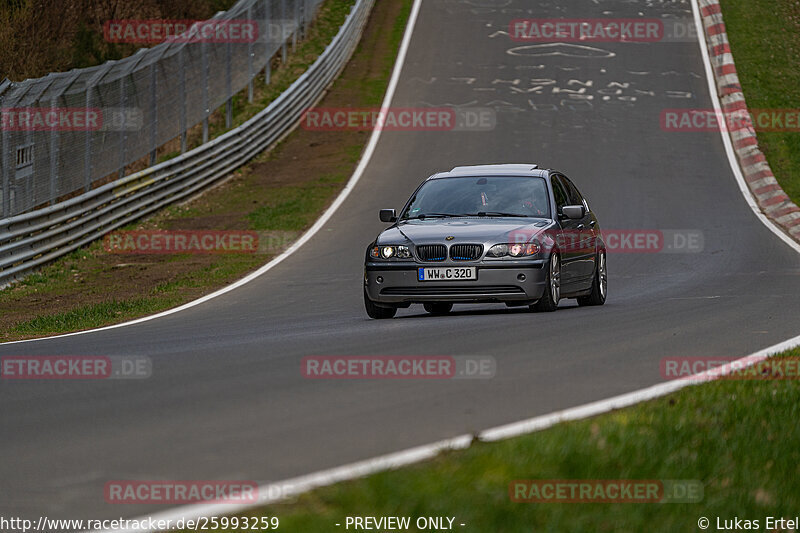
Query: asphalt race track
(227, 399)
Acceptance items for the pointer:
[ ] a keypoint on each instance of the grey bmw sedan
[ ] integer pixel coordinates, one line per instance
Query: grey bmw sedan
(512, 234)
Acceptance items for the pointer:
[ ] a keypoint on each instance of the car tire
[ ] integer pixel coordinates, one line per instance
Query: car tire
(552, 293)
(438, 308)
(377, 312)
(599, 283)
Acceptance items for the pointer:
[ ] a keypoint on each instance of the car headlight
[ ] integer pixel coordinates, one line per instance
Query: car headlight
(513, 250)
(387, 252)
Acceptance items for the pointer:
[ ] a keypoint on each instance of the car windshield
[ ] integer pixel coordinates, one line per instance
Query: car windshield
(483, 196)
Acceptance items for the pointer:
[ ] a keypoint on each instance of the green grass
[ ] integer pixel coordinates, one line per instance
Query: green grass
(162, 297)
(738, 438)
(294, 208)
(52, 278)
(374, 89)
(765, 41)
(209, 275)
(91, 316)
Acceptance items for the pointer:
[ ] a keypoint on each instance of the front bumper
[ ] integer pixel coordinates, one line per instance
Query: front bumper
(506, 282)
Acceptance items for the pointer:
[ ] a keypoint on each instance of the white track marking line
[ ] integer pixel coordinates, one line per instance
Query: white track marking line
(733, 161)
(354, 179)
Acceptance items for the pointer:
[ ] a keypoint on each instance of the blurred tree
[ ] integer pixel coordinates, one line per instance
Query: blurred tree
(42, 36)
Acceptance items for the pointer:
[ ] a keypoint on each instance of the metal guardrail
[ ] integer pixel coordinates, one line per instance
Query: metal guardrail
(65, 132)
(35, 238)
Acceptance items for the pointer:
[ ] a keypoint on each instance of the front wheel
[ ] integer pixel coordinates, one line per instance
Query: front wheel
(552, 293)
(438, 308)
(377, 312)
(599, 283)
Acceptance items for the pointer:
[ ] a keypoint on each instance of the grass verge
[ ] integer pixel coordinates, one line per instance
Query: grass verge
(738, 438)
(765, 41)
(88, 316)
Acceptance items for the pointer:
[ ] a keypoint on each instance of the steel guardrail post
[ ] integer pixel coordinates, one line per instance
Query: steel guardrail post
(182, 89)
(206, 110)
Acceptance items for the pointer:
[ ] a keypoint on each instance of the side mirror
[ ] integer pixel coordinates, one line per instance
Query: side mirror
(388, 215)
(574, 212)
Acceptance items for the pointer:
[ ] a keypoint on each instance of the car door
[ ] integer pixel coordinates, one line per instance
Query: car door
(566, 237)
(585, 251)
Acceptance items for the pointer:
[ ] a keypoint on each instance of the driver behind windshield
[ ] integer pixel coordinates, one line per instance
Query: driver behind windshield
(517, 198)
(496, 196)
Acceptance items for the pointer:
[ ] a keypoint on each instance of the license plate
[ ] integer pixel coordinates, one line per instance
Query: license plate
(447, 274)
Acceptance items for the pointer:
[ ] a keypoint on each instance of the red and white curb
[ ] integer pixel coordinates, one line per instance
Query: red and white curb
(761, 182)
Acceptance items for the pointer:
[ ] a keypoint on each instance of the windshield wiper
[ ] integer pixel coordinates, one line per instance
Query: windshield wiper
(423, 216)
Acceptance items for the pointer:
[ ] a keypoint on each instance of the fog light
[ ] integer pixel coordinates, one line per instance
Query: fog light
(521, 277)
(379, 279)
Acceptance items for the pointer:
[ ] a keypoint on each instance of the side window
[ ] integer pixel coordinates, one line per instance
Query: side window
(575, 197)
(559, 192)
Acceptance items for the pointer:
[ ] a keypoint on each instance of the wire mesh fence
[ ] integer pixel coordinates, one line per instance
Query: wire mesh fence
(64, 132)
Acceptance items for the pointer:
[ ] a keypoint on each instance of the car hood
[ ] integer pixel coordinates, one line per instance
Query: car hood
(475, 230)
